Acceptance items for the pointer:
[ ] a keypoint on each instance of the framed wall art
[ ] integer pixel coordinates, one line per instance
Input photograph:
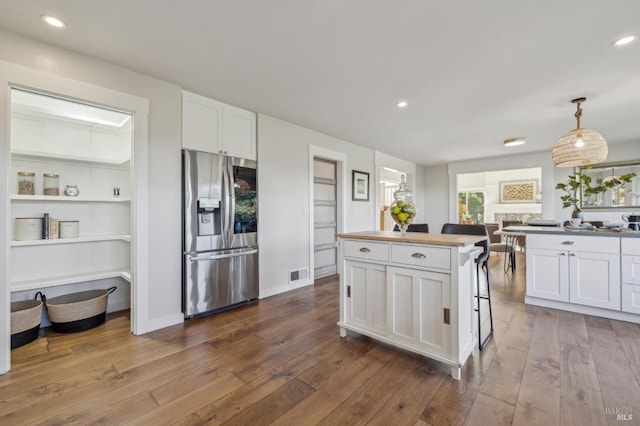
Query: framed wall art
(360, 186)
(522, 191)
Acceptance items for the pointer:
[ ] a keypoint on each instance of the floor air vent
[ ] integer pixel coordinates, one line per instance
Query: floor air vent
(298, 274)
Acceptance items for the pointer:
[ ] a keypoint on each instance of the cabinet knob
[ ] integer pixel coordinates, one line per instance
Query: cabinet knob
(365, 250)
(562, 254)
(568, 243)
(418, 255)
(572, 254)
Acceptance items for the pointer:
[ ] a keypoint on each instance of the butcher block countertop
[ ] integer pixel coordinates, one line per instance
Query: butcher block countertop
(415, 238)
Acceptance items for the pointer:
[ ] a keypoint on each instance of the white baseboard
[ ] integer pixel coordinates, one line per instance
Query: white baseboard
(284, 288)
(581, 309)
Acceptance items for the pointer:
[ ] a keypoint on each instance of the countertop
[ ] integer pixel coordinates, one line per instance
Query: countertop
(416, 238)
(600, 232)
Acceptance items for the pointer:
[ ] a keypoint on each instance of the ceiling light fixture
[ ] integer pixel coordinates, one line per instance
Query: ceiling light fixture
(514, 142)
(53, 21)
(402, 104)
(580, 146)
(624, 40)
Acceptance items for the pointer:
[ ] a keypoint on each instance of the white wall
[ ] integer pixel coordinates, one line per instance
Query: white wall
(164, 133)
(436, 197)
(283, 198)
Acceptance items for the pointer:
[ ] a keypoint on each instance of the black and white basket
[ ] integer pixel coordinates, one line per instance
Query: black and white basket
(77, 311)
(25, 322)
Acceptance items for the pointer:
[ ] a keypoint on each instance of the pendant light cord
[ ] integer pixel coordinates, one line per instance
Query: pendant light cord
(578, 114)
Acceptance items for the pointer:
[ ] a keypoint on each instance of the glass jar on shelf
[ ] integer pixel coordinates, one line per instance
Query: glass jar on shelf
(71, 191)
(51, 184)
(403, 209)
(26, 183)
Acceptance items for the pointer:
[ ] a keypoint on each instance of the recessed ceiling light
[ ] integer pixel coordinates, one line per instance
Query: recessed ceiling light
(514, 142)
(53, 21)
(624, 40)
(402, 104)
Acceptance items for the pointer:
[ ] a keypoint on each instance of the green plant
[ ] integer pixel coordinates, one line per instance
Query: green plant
(572, 189)
(614, 182)
(577, 180)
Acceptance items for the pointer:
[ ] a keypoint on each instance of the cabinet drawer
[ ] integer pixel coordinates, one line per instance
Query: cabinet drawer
(428, 257)
(631, 298)
(630, 246)
(366, 250)
(631, 269)
(574, 243)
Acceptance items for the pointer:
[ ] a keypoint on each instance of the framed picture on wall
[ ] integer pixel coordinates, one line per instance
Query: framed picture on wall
(360, 186)
(522, 191)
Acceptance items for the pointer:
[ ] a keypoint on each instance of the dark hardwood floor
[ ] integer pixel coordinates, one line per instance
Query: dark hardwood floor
(281, 361)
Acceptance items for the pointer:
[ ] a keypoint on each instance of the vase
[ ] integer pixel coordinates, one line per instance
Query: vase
(402, 209)
(577, 214)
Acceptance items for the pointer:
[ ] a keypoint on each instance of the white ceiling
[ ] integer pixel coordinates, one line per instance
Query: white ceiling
(474, 72)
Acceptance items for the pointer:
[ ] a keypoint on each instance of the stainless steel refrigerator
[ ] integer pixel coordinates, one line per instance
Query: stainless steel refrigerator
(220, 234)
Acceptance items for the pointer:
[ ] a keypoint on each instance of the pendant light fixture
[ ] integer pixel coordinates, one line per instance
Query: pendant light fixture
(580, 147)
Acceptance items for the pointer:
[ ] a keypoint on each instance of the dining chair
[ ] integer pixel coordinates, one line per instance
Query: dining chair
(520, 240)
(481, 262)
(496, 245)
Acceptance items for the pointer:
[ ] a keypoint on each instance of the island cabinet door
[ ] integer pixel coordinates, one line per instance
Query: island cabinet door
(416, 303)
(548, 274)
(594, 279)
(366, 296)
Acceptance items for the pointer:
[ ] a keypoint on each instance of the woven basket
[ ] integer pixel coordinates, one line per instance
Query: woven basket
(25, 322)
(77, 311)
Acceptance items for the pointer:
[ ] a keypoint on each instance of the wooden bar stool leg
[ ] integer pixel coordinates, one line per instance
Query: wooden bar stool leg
(483, 342)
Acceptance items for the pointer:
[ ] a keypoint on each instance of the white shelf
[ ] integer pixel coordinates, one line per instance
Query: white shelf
(66, 157)
(86, 239)
(69, 279)
(63, 198)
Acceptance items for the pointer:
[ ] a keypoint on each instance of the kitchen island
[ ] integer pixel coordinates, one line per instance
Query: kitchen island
(413, 291)
(589, 271)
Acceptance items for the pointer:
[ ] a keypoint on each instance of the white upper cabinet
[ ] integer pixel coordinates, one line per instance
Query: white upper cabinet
(211, 126)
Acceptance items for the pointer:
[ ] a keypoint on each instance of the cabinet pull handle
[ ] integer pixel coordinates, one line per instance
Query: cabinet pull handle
(562, 254)
(365, 250)
(568, 243)
(572, 254)
(447, 316)
(418, 255)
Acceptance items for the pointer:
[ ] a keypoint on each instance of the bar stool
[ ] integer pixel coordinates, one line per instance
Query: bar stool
(481, 262)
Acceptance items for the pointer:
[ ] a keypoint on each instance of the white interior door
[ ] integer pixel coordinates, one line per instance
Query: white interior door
(325, 217)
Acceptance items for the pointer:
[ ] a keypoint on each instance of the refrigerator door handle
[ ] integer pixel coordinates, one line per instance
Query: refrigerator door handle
(221, 256)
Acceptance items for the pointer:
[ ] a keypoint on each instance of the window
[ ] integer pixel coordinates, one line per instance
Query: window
(470, 207)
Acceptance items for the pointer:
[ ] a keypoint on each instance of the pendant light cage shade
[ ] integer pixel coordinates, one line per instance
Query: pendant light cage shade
(580, 147)
(570, 152)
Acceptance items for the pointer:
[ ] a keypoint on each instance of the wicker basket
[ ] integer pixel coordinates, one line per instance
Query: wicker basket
(25, 322)
(77, 311)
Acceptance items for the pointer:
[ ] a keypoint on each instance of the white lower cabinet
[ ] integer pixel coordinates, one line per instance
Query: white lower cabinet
(367, 296)
(417, 297)
(418, 306)
(594, 279)
(575, 269)
(547, 274)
